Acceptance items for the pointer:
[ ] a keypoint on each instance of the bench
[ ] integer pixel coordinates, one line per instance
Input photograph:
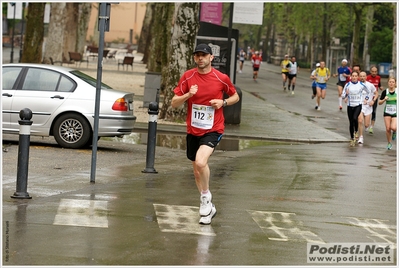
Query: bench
(77, 58)
(127, 60)
(93, 52)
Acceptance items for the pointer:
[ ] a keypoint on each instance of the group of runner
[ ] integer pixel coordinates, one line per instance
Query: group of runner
(360, 92)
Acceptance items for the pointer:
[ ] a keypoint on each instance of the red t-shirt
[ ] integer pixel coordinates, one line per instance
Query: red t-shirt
(348, 78)
(210, 86)
(376, 81)
(256, 61)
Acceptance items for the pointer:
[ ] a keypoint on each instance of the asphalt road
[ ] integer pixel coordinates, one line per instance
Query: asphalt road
(273, 197)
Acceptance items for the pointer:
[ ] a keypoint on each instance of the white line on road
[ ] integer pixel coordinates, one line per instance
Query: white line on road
(86, 213)
(281, 226)
(181, 219)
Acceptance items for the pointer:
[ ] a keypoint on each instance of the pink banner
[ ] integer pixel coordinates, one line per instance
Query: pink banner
(211, 12)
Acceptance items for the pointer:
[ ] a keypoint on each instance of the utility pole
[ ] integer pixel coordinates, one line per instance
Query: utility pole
(22, 32)
(103, 25)
(12, 36)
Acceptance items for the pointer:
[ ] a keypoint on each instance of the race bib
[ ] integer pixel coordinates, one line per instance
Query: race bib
(355, 97)
(342, 77)
(390, 109)
(202, 116)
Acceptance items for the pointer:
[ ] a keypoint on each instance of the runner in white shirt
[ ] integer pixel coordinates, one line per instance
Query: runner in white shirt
(367, 106)
(293, 71)
(353, 95)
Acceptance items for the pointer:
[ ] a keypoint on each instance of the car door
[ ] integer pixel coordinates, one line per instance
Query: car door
(43, 91)
(10, 77)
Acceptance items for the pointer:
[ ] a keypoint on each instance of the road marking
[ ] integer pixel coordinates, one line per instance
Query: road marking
(78, 212)
(377, 228)
(281, 226)
(181, 219)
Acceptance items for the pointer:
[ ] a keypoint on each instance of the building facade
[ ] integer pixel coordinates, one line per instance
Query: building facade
(126, 21)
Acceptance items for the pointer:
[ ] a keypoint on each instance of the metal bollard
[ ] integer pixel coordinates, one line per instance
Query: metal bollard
(23, 154)
(152, 137)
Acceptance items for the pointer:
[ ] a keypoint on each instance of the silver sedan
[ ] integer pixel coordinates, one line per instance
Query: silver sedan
(62, 101)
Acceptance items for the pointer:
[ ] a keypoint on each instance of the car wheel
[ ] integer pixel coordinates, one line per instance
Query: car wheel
(72, 131)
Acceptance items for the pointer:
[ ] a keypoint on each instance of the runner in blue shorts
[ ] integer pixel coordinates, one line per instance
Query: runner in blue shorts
(321, 74)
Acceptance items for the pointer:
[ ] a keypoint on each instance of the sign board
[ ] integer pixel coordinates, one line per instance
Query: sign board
(248, 13)
(219, 50)
(18, 11)
(47, 9)
(211, 12)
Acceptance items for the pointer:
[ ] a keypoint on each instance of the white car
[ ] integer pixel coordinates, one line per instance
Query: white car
(62, 101)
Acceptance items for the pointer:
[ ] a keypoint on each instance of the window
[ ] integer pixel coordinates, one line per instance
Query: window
(47, 80)
(65, 85)
(10, 75)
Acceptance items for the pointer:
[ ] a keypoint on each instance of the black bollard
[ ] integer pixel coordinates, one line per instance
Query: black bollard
(23, 154)
(152, 137)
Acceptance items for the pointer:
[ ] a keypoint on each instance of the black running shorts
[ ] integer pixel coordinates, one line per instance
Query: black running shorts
(210, 139)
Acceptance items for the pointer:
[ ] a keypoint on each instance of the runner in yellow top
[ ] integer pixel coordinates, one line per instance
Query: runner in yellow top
(322, 75)
(285, 69)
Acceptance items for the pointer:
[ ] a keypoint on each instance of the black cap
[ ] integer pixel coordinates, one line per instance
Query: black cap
(203, 48)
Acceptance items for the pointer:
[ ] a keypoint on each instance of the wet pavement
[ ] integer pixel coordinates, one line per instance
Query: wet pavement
(282, 178)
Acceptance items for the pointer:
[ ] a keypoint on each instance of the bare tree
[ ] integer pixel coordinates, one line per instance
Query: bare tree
(368, 30)
(67, 30)
(70, 28)
(33, 45)
(83, 25)
(145, 36)
(54, 47)
(160, 36)
(184, 32)
(358, 10)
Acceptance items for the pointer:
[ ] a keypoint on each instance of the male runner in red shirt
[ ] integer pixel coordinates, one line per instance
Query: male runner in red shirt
(375, 79)
(203, 88)
(256, 62)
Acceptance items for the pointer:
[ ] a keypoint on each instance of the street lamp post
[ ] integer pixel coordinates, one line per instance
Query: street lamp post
(22, 32)
(12, 36)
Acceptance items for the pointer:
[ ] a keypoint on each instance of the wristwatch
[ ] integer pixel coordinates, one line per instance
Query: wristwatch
(224, 103)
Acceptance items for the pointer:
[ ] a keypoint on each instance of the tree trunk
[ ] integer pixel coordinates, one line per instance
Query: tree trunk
(269, 25)
(358, 9)
(394, 55)
(96, 34)
(83, 25)
(184, 32)
(160, 40)
(368, 30)
(70, 29)
(145, 29)
(33, 45)
(324, 40)
(53, 46)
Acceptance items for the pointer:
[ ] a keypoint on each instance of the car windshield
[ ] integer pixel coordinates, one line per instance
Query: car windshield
(88, 79)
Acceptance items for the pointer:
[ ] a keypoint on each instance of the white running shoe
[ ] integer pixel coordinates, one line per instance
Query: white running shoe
(208, 219)
(205, 205)
(318, 108)
(360, 140)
